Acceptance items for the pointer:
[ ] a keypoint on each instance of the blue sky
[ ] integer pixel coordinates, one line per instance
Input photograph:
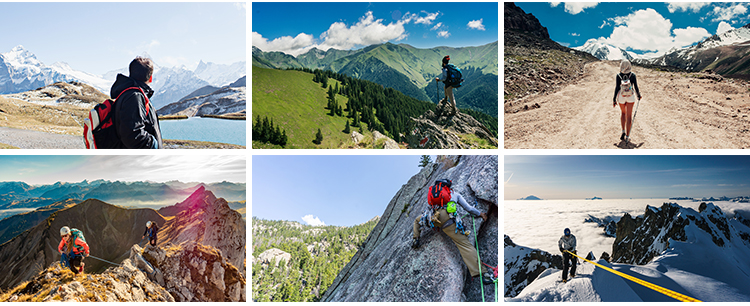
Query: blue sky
(622, 177)
(341, 190)
(295, 28)
(101, 37)
(48, 169)
(642, 27)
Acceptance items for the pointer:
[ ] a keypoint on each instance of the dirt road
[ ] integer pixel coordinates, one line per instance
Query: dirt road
(25, 139)
(678, 111)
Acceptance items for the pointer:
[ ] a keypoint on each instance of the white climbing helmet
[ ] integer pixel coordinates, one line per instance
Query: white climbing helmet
(148, 223)
(64, 231)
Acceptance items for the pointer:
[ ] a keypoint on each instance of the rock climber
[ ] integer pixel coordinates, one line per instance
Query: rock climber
(568, 243)
(626, 90)
(73, 248)
(151, 230)
(442, 205)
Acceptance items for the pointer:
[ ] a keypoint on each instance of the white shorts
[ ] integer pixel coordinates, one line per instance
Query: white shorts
(622, 100)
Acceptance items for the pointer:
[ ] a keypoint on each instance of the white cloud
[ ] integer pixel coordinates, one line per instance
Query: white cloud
(685, 6)
(728, 13)
(723, 27)
(313, 220)
(476, 24)
(287, 44)
(444, 34)
(242, 6)
(366, 32)
(554, 4)
(577, 7)
(574, 34)
(437, 26)
(604, 23)
(427, 19)
(647, 30)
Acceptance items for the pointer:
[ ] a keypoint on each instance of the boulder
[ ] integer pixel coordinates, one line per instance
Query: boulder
(356, 137)
(274, 256)
(387, 269)
(443, 127)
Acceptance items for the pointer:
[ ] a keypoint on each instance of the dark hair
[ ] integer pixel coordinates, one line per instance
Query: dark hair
(446, 59)
(141, 69)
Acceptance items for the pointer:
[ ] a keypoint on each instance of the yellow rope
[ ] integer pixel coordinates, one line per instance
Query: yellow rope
(677, 296)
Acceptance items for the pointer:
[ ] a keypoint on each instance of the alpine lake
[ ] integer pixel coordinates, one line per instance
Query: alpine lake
(205, 129)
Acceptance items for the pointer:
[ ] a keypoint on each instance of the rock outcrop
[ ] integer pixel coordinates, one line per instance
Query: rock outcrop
(209, 221)
(518, 20)
(523, 265)
(388, 269)
(192, 272)
(124, 283)
(274, 256)
(443, 128)
(641, 239)
(388, 142)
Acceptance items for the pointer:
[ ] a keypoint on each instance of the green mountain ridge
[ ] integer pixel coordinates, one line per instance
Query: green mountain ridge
(405, 68)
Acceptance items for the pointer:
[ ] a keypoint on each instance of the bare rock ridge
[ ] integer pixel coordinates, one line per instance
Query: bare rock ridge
(387, 269)
(518, 20)
(443, 128)
(209, 221)
(523, 265)
(225, 100)
(641, 239)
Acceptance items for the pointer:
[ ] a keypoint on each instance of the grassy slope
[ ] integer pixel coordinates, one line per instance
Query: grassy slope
(297, 105)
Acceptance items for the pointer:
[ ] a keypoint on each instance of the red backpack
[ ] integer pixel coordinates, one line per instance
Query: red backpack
(98, 129)
(440, 193)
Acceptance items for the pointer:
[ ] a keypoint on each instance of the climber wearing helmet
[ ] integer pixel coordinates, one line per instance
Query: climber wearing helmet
(72, 248)
(568, 243)
(441, 213)
(151, 230)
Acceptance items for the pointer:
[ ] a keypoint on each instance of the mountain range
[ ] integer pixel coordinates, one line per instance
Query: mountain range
(210, 100)
(20, 71)
(405, 68)
(604, 51)
(22, 195)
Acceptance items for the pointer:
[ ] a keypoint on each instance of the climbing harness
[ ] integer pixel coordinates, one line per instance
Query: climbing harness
(677, 296)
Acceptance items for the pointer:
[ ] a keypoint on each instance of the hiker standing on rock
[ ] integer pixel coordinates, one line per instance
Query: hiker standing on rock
(151, 229)
(568, 243)
(626, 89)
(442, 200)
(72, 248)
(135, 119)
(445, 78)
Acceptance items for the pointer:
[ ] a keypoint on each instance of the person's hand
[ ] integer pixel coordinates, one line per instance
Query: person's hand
(437, 79)
(640, 97)
(484, 216)
(143, 237)
(562, 250)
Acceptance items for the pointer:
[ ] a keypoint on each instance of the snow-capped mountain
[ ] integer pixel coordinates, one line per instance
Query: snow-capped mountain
(724, 53)
(220, 75)
(21, 71)
(604, 51)
(229, 99)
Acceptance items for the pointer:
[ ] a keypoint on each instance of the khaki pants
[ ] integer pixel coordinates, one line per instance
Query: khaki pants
(468, 252)
(450, 98)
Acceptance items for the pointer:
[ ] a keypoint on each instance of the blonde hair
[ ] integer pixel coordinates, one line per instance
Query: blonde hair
(625, 66)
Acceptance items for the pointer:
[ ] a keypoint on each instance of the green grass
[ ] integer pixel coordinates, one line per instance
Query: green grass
(297, 105)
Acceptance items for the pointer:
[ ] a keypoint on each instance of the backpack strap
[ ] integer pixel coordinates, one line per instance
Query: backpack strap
(142, 92)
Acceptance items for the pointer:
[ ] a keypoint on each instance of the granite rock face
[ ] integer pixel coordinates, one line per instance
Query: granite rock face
(387, 269)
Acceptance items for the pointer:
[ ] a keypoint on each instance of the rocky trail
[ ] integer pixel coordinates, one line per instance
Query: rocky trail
(26, 139)
(678, 111)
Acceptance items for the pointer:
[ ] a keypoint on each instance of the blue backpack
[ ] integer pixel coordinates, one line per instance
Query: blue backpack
(454, 79)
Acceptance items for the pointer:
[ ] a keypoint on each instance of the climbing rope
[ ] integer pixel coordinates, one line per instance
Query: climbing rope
(479, 260)
(677, 296)
(107, 261)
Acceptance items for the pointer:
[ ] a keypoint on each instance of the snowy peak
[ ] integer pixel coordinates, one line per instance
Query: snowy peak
(731, 37)
(21, 56)
(603, 51)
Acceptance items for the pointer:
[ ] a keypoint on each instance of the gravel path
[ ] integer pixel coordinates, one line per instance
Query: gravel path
(26, 139)
(676, 112)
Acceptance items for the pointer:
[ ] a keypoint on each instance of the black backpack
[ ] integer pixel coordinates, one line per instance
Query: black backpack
(454, 78)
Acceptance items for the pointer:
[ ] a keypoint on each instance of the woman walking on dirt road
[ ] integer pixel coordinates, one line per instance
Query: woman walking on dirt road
(626, 90)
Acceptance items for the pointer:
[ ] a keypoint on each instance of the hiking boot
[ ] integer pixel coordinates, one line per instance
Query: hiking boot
(488, 278)
(627, 138)
(415, 243)
(572, 275)
(622, 137)
(80, 270)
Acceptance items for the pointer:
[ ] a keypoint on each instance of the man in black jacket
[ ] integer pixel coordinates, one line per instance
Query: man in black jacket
(135, 119)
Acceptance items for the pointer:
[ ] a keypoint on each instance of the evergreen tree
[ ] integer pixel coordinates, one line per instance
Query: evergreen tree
(360, 130)
(318, 137)
(426, 160)
(347, 130)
